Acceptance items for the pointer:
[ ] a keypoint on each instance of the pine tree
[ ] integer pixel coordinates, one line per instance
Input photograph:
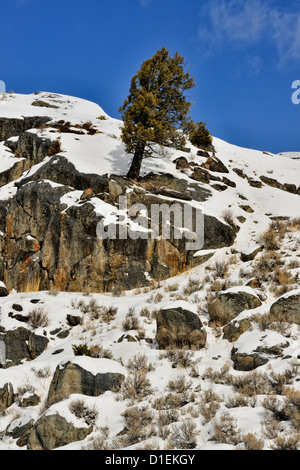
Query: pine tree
(156, 110)
(200, 135)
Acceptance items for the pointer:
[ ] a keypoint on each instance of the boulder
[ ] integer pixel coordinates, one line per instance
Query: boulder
(250, 253)
(247, 362)
(20, 431)
(181, 163)
(287, 308)
(13, 127)
(235, 329)
(22, 344)
(214, 164)
(52, 431)
(3, 290)
(71, 378)
(217, 234)
(6, 396)
(231, 303)
(179, 328)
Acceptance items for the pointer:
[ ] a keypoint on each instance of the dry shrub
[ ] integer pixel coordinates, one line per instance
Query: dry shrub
(184, 435)
(269, 240)
(221, 376)
(170, 401)
(98, 351)
(283, 282)
(267, 321)
(193, 285)
(180, 385)
(279, 380)
(226, 430)
(237, 401)
(88, 413)
(251, 442)
(178, 357)
(140, 362)
(131, 322)
(266, 265)
(292, 407)
(172, 287)
(136, 386)
(252, 384)
(137, 421)
(145, 312)
(295, 224)
(55, 148)
(98, 441)
(228, 217)
(220, 268)
(165, 418)
(38, 317)
(209, 405)
(271, 427)
(180, 338)
(94, 310)
(290, 442)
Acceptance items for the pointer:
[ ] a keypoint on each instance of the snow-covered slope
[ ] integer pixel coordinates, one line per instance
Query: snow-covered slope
(292, 155)
(209, 375)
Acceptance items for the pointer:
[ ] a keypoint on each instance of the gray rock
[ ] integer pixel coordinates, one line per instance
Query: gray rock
(179, 328)
(72, 378)
(13, 127)
(247, 362)
(251, 254)
(22, 344)
(287, 308)
(235, 329)
(52, 431)
(6, 396)
(3, 291)
(229, 305)
(33, 400)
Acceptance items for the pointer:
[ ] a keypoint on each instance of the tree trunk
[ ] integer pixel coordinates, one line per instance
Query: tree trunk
(134, 171)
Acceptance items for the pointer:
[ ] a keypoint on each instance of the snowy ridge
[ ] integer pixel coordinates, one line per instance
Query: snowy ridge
(103, 153)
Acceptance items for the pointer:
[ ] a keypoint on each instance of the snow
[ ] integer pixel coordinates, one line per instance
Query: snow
(292, 155)
(292, 293)
(98, 366)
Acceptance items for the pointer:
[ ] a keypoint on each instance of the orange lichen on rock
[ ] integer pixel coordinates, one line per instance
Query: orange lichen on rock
(36, 245)
(25, 263)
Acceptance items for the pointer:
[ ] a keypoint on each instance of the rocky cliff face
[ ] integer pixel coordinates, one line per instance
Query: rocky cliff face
(47, 243)
(83, 367)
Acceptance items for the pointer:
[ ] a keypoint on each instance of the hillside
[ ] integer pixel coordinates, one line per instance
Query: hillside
(140, 343)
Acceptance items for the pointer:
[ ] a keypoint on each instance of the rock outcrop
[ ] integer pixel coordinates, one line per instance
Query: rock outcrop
(179, 328)
(49, 244)
(230, 304)
(52, 431)
(287, 308)
(72, 378)
(22, 344)
(6, 396)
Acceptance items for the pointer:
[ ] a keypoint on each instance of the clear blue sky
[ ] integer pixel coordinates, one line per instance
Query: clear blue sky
(243, 55)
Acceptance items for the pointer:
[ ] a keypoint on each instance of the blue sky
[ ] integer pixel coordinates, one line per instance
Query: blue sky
(243, 55)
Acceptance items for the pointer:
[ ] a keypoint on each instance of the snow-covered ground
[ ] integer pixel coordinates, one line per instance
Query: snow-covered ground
(103, 153)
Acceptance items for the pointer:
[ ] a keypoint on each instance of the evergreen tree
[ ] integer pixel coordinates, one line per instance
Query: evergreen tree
(200, 135)
(156, 110)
